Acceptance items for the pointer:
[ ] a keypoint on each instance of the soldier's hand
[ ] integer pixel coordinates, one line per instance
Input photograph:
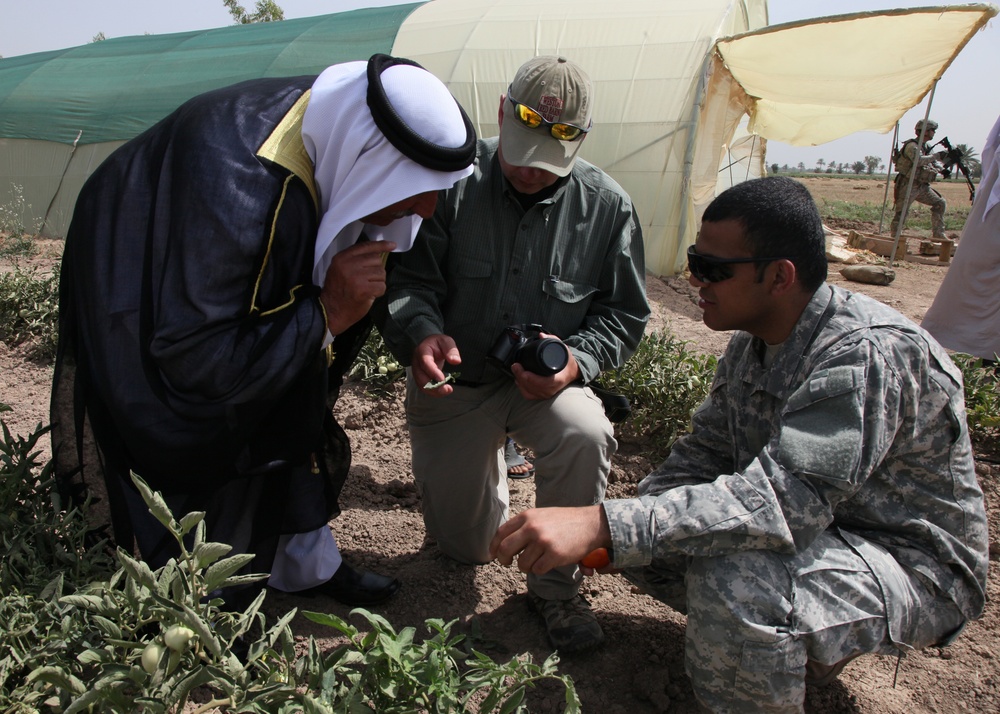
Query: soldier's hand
(546, 538)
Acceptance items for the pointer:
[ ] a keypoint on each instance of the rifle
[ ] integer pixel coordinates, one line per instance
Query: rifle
(955, 160)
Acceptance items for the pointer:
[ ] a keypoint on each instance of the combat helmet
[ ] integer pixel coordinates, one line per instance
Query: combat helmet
(931, 125)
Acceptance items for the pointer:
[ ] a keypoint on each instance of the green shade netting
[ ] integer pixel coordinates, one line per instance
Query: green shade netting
(115, 89)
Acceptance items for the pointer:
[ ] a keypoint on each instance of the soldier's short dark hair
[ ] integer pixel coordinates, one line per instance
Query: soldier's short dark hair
(779, 218)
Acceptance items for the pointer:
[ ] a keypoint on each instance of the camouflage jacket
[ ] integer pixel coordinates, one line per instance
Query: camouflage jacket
(927, 163)
(858, 425)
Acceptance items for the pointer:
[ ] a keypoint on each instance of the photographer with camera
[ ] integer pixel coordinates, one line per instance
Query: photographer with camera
(527, 283)
(927, 165)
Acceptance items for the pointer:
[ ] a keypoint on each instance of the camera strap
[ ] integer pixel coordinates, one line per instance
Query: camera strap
(616, 406)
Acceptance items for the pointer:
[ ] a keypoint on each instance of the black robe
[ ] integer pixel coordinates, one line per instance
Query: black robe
(190, 330)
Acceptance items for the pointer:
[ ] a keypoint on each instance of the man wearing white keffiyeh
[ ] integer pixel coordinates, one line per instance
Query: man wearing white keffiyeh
(215, 288)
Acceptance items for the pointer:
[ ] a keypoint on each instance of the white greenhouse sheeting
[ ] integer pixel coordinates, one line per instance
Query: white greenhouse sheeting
(816, 81)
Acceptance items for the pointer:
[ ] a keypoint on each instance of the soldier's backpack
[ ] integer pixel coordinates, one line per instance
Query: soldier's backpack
(900, 160)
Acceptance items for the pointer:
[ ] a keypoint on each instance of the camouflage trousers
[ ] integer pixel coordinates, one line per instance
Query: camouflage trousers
(755, 619)
(921, 193)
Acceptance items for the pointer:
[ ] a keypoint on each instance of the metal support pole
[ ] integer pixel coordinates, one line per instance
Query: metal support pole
(62, 178)
(888, 175)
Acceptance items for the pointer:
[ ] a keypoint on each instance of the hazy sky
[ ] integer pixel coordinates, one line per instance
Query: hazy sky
(963, 103)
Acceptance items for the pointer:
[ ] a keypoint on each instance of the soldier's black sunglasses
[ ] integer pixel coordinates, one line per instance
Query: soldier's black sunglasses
(708, 269)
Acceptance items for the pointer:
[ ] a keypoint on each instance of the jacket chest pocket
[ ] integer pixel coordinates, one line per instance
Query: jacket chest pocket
(566, 305)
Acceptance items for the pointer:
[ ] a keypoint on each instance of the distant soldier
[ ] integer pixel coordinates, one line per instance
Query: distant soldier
(927, 166)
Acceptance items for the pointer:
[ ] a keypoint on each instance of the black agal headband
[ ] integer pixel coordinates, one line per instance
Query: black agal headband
(408, 142)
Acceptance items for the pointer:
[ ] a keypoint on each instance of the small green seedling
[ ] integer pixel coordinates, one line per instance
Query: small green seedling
(450, 377)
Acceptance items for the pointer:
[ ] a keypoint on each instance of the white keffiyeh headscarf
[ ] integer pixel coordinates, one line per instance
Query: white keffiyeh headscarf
(358, 170)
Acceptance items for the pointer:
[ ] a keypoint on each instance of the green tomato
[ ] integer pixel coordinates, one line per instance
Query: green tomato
(151, 657)
(178, 637)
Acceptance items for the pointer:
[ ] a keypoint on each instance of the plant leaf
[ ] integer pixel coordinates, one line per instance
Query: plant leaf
(202, 629)
(205, 554)
(190, 521)
(58, 677)
(513, 701)
(154, 500)
(138, 570)
(217, 573)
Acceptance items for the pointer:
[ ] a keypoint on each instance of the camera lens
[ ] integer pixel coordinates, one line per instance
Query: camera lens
(543, 356)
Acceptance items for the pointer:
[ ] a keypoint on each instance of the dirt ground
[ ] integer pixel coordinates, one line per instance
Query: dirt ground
(640, 669)
(872, 190)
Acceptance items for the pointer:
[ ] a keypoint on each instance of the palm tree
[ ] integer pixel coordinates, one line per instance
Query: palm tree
(970, 157)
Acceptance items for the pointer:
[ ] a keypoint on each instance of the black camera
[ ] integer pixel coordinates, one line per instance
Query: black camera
(525, 345)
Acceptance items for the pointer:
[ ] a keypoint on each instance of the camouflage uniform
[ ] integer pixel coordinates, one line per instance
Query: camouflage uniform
(822, 508)
(921, 192)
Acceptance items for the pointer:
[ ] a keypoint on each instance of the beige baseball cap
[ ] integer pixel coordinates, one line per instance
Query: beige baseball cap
(560, 91)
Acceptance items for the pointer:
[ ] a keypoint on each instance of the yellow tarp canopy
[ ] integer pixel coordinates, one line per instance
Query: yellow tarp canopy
(814, 81)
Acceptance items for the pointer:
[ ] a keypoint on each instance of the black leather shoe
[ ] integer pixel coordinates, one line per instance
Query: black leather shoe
(350, 586)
